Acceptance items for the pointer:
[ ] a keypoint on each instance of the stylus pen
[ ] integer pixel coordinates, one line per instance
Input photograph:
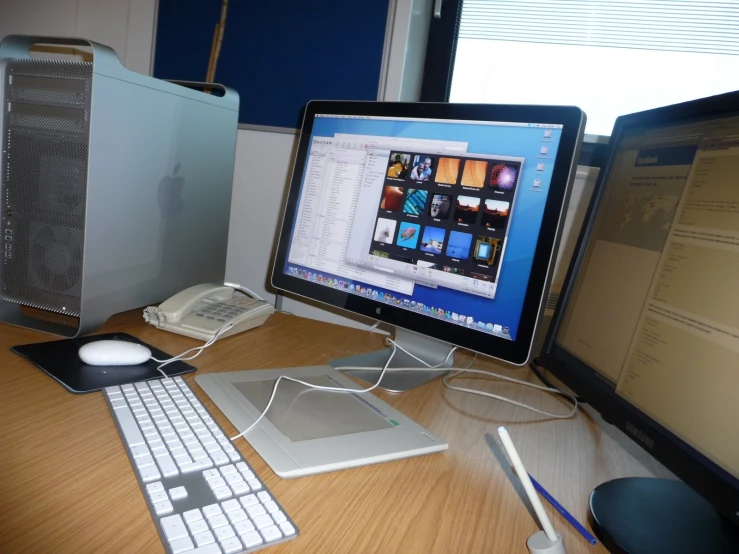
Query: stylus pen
(546, 525)
(565, 514)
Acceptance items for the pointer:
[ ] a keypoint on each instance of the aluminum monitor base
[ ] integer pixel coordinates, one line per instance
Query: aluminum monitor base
(432, 351)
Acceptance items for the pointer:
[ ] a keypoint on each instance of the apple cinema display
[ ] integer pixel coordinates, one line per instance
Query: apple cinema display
(410, 252)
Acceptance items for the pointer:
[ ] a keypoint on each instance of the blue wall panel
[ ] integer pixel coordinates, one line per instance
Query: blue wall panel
(277, 55)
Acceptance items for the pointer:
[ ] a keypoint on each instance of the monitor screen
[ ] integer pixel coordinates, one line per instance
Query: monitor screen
(648, 324)
(430, 217)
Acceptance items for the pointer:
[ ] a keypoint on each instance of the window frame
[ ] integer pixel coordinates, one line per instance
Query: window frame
(438, 71)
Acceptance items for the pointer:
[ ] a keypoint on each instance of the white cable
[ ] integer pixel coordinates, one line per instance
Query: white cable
(459, 372)
(317, 387)
(199, 349)
(244, 290)
(568, 415)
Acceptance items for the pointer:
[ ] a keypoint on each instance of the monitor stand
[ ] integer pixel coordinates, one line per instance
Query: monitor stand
(432, 351)
(640, 515)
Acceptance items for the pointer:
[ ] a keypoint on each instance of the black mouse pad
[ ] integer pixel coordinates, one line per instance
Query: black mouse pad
(61, 361)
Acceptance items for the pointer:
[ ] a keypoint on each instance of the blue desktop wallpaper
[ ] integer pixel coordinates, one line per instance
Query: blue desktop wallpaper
(526, 214)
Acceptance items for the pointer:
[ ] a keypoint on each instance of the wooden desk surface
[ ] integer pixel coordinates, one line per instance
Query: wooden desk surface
(66, 484)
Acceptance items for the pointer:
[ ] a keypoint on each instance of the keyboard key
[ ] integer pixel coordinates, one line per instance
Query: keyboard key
(251, 539)
(198, 526)
(224, 532)
(279, 517)
(131, 433)
(217, 521)
(222, 493)
(226, 470)
(180, 492)
(230, 506)
(247, 475)
(173, 527)
(236, 515)
(199, 454)
(248, 500)
(209, 549)
(287, 528)
(149, 473)
(231, 545)
(164, 507)
(182, 459)
(244, 526)
(212, 510)
(255, 510)
(254, 484)
(181, 545)
(140, 450)
(192, 515)
(159, 496)
(271, 533)
(264, 496)
(219, 458)
(196, 465)
(144, 461)
(211, 474)
(167, 466)
(271, 506)
(240, 488)
(262, 521)
(233, 456)
(216, 482)
(204, 538)
(159, 452)
(234, 478)
(154, 487)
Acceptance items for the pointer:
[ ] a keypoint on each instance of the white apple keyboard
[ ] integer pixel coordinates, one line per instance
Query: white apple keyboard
(203, 496)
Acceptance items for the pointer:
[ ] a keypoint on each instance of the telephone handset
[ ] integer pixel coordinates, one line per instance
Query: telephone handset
(202, 310)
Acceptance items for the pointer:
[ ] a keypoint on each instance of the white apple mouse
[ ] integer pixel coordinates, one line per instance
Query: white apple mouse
(114, 352)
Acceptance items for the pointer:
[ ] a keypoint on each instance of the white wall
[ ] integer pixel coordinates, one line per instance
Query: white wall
(127, 26)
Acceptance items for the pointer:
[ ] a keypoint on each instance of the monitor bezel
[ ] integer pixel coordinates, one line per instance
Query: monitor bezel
(516, 352)
(711, 481)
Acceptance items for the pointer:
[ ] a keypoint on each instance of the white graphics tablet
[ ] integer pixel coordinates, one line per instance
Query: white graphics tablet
(309, 431)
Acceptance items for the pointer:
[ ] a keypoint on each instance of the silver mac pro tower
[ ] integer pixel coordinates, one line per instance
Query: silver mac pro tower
(115, 187)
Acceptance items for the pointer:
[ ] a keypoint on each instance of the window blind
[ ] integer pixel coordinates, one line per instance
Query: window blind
(678, 26)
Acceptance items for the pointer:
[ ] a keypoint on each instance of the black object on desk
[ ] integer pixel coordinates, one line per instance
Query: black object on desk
(61, 361)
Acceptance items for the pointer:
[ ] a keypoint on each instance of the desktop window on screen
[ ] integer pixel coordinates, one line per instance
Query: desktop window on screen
(440, 217)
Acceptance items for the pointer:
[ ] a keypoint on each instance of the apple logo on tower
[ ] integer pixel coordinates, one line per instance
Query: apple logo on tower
(170, 194)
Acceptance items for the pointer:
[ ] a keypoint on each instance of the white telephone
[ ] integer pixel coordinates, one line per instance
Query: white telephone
(202, 310)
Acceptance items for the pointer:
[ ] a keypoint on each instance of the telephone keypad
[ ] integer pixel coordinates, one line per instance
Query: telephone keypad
(222, 311)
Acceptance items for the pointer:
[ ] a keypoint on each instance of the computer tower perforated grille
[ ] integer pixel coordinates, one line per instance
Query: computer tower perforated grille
(45, 136)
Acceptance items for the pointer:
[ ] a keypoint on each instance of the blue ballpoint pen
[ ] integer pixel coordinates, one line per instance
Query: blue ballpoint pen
(565, 514)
